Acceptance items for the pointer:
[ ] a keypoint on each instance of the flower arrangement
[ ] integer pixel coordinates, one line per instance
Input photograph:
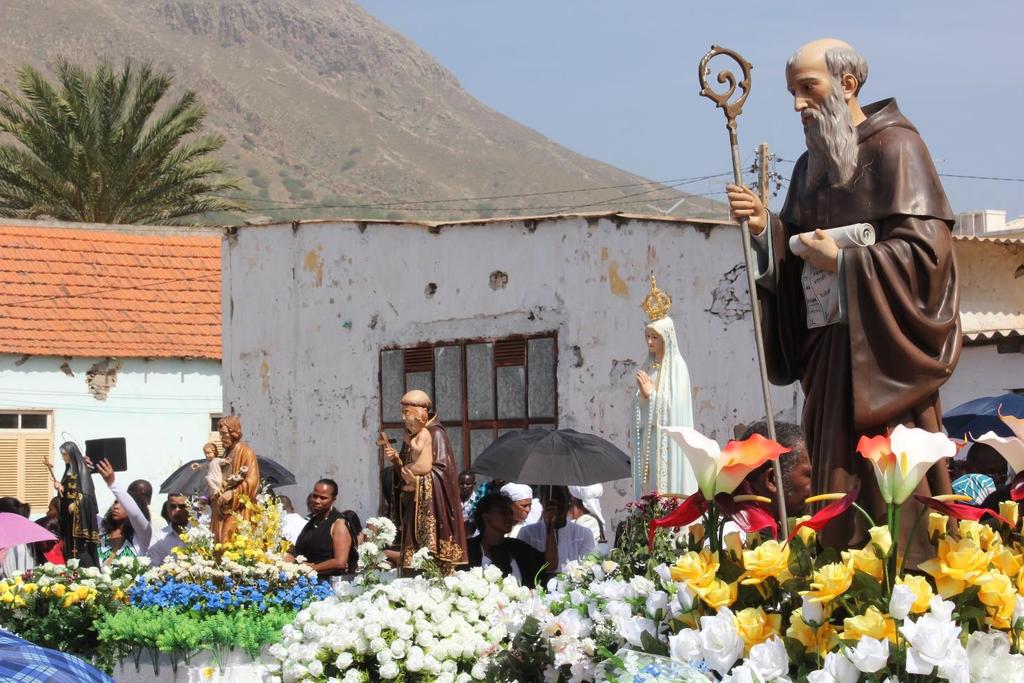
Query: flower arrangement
(631, 550)
(763, 609)
(412, 629)
(214, 597)
(380, 533)
(58, 606)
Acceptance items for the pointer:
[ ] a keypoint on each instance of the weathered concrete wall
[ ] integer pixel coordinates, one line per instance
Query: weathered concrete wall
(162, 408)
(307, 308)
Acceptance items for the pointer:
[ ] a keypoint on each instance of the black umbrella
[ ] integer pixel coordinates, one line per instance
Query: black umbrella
(559, 457)
(981, 415)
(191, 477)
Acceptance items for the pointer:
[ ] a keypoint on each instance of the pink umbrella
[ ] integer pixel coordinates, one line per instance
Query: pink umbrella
(16, 530)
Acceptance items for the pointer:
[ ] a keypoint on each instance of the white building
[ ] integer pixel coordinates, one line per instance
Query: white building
(510, 323)
(105, 331)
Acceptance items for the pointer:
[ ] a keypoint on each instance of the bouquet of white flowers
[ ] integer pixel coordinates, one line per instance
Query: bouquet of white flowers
(409, 629)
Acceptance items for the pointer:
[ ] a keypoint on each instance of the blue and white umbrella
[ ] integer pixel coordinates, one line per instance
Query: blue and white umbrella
(25, 662)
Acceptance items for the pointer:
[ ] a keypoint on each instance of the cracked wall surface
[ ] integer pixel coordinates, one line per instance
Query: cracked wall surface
(305, 384)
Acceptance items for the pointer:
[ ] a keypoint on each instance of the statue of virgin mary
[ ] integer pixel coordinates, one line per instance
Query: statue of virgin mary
(662, 398)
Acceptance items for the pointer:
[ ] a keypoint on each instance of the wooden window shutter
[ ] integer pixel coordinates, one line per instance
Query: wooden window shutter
(9, 479)
(419, 360)
(37, 489)
(22, 470)
(509, 353)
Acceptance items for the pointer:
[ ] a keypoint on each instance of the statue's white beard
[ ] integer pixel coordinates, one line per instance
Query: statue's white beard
(831, 142)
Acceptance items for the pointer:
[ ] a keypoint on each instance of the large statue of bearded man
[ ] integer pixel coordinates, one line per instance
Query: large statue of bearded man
(871, 344)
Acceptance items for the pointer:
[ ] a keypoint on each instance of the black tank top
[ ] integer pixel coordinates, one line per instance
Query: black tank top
(314, 541)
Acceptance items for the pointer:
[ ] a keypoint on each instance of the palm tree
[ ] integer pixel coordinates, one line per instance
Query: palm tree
(93, 148)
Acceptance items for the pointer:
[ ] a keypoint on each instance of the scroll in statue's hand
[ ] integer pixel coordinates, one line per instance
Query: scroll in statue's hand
(744, 203)
(822, 251)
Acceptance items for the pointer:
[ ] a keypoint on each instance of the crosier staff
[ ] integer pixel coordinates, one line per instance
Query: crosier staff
(732, 111)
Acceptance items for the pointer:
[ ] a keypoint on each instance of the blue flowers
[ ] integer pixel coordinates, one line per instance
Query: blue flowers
(208, 597)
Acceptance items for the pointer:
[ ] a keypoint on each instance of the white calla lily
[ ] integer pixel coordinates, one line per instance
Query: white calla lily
(902, 459)
(720, 470)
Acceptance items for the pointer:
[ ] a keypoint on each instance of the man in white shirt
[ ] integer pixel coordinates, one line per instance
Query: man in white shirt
(292, 523)
(175, 511)
(574, 541)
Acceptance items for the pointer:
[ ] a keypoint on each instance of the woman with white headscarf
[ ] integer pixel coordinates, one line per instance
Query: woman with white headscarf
(662, 398)
(527, 509)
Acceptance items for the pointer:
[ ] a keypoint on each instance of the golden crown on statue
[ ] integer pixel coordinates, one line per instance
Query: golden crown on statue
(657, 303)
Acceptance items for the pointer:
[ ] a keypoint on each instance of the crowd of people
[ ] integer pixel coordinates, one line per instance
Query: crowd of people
(526, 533)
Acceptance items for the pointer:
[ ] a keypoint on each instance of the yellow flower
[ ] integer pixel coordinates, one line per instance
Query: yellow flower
(922, 592)
(1009, 510)
(872, 624)
(7, 598)
(938, 525)
(881, 537)
(830, 582)
(956, 565)
(768, 560)
(696, 569)
(815, 640)
(806, 533)
(1007, 562)
(58, 590)
(756, 627)
(71, 599)
(734, 544)
(697, 532)
(717, 594)
(30, 588)
(83, 592)
(997, 593)
(867, 561)
(986, 536)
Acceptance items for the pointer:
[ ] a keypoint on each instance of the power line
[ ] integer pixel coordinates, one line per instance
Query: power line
(676, 182)
(964, 176)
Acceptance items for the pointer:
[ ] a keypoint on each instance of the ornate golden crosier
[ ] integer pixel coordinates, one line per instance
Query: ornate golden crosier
(657, 303)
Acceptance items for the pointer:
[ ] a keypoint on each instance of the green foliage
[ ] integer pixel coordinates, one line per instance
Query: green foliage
(92, 147)
(185, 633)
(525, 659)
(631, 545)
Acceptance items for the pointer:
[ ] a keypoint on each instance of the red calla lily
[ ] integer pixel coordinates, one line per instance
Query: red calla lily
(1017, 487)
(750, 516)
(959, 510)
(822, 517)
(690, 509)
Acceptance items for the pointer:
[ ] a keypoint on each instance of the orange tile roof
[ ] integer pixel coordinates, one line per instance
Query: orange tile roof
(80, 292)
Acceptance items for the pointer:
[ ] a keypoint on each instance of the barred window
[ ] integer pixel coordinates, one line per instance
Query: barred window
(481, 388)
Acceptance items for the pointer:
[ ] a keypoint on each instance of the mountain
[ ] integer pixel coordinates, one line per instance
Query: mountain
(328, 112)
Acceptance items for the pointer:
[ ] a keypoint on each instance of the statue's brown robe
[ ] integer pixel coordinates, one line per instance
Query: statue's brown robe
(222, 522)
(431, 516)
(901, 338)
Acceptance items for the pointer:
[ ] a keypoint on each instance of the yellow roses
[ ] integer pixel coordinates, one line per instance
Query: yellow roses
(696, 569)
(957, 564)
(756, 627)
(830, 582)
(770, 560)
(871, 624)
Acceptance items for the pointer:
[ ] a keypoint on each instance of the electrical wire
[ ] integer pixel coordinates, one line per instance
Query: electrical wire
(667, 184)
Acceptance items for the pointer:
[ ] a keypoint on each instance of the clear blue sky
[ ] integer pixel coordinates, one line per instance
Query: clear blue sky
(617, 80)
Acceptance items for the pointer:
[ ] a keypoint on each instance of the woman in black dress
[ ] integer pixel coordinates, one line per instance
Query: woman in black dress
(79, 529)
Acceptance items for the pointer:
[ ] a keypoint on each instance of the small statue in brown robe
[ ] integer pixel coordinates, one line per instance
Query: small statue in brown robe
(426, 487)
(871, 332)
(243, 473)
